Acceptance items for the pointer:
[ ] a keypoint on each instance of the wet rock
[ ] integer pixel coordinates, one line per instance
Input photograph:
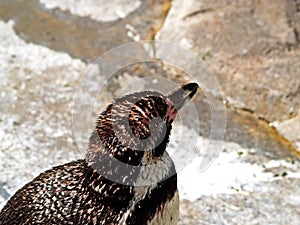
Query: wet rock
(251, 46)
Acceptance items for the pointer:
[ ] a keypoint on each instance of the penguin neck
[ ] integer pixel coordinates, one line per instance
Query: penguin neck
(122, 164)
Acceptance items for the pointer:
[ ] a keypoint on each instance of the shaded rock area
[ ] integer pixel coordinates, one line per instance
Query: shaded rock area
(82, 37)
(252, 47)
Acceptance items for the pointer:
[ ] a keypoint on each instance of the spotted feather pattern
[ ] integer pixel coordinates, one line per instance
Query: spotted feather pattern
(127, 177)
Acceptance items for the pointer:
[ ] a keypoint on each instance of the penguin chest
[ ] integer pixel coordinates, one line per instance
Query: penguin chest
(168, 213)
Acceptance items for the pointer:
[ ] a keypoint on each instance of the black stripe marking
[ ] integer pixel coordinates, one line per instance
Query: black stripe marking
(146, 209)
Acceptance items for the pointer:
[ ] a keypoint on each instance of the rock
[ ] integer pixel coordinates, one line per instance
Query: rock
(83, 37)
(35, 115)
(240, 187)
(98, 10)
(247, 52)
(272, 203)
(290, 129)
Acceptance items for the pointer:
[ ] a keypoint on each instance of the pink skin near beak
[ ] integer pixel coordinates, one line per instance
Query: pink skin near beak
(172, 112)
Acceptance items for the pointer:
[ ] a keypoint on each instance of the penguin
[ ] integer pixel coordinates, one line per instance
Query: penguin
(126, 178)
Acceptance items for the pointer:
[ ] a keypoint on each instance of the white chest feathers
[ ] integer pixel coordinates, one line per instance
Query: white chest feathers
(153, 171)
(169, 213)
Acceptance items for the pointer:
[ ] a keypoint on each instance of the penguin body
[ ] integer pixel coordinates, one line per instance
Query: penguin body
(126, 178)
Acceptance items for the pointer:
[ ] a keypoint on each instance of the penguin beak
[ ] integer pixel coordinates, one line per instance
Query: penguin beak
(182, 95)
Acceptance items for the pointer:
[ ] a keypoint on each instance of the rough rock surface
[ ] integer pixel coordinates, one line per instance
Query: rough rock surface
(83, 37)
(100, 10)
(251, 46)
(253, 49)
(290, 129)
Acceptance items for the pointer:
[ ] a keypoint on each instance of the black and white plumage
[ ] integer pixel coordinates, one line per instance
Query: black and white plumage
(126, 178)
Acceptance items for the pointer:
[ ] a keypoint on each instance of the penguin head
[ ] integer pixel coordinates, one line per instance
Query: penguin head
(140, 122)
